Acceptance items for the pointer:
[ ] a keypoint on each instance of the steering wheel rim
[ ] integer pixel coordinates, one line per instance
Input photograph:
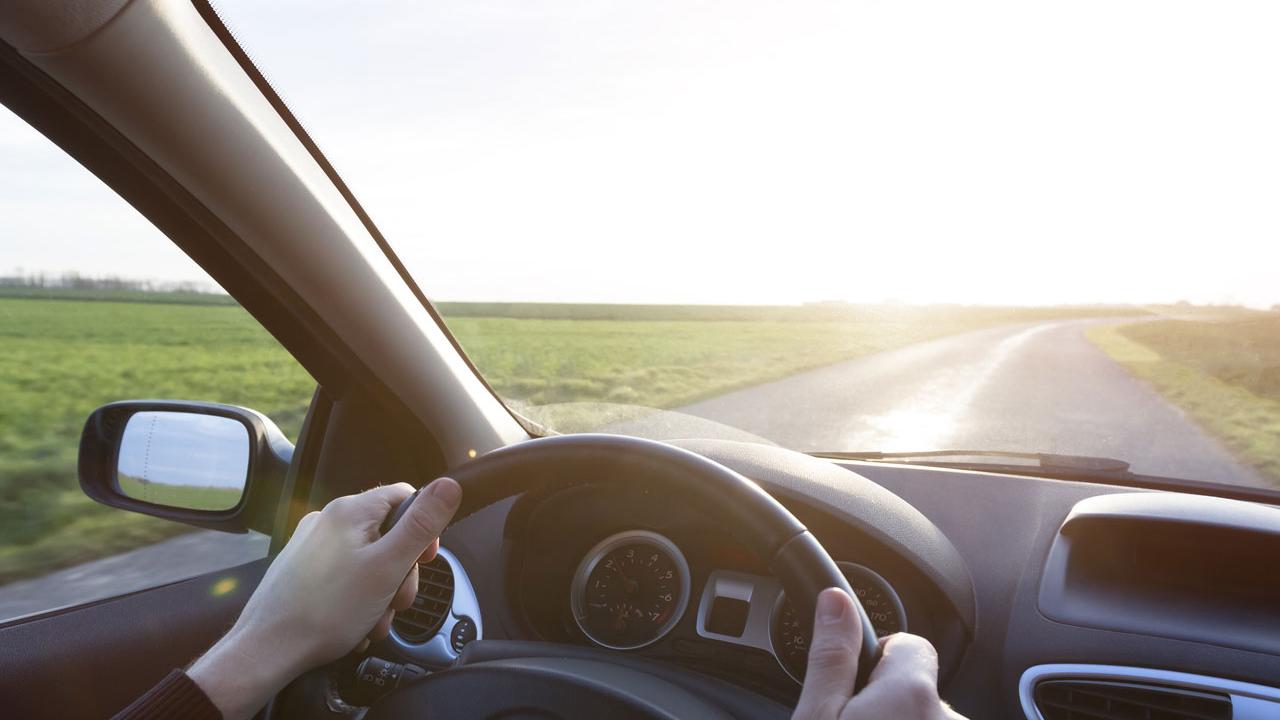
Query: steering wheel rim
(759, 521)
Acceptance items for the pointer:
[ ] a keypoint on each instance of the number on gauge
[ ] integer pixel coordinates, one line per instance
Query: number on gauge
(878, 598)
(631, 589)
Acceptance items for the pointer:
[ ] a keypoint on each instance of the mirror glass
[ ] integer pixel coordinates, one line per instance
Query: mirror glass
(183, 460)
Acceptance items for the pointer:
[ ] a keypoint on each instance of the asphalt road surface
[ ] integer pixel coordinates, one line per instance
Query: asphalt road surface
(1036, 388)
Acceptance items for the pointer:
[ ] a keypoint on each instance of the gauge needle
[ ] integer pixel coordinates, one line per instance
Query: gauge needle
(629, 586)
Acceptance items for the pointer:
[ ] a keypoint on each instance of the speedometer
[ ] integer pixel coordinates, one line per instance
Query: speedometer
(878, 598)
(630, 590)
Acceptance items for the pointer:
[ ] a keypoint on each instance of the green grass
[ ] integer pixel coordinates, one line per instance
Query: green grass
(1223, 372)
(64, 354)
(191, 497)
(61, 359)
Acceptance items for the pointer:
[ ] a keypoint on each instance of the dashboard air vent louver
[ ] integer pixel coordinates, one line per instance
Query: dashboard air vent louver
(1106, 700)
(435, 597)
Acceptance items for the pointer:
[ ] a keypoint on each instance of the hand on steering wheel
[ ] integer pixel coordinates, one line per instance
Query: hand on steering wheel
(332, 589)
(903, 685)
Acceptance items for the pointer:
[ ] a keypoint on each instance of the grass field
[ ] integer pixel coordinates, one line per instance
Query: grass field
(1224, 372)
(183, 496)
(61, 356)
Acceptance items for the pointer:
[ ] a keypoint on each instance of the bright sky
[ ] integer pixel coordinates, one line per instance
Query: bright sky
(746, 151)
(185, 450)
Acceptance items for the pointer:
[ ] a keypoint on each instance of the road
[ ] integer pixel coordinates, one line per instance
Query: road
(1040, 388)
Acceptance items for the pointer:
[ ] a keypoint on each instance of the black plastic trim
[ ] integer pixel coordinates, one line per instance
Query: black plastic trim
(297, 483)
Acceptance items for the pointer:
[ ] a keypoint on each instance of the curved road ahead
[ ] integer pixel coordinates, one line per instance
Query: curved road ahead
(1038, 388)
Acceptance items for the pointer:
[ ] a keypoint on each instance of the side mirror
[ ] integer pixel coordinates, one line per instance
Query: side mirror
(202, 464)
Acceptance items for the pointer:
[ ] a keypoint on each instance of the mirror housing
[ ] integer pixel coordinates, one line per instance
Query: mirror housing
(269, 456)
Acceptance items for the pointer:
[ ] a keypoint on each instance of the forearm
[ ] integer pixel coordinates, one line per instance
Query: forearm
(241, 673)
(298, 618)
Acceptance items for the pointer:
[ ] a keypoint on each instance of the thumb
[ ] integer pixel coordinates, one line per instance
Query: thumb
(833, 656)
(425, 519)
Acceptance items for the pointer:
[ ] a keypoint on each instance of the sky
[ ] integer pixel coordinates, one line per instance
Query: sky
(185, 449)
(743, 151)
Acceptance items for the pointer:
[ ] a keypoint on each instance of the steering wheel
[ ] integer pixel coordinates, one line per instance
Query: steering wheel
(545, 680)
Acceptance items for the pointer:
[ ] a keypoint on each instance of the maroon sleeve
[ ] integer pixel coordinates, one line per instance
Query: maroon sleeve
(177, 696)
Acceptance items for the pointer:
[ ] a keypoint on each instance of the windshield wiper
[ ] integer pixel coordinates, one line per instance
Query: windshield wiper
(1045, 464)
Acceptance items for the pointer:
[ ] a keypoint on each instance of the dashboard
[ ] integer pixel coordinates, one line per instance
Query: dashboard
(639, 574)
(1026, 586)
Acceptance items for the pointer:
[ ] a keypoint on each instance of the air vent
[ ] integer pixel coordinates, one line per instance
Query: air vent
(1106, 700)
(435, 597)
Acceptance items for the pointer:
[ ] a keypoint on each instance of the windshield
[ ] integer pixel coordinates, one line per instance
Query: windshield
(834, 226)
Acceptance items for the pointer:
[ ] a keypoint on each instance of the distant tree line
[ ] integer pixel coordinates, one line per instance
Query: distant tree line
(76, 281)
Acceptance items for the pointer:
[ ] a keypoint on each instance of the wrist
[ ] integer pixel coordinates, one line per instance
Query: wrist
(241, 672)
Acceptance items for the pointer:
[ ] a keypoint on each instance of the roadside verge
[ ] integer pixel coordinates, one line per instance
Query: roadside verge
(1245, 421)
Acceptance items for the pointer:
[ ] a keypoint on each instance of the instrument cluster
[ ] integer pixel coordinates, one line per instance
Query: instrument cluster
(633, 588)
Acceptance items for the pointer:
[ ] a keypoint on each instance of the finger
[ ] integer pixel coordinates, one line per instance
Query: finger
(382, 628)
(833, 656)
(905, 654)
(430, 553)
(380, 500)
(362, 646)
(373, 503)
(307, 521)
(422, 523)
(905, 679)
(407, 592)
(390, 494)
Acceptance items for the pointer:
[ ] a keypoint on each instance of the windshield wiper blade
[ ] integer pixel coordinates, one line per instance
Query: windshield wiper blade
(1052, 464)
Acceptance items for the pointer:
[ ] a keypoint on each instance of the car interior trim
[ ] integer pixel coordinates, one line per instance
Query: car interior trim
(438, 651)
(1248, 701)
(763, 595)
(1173, 507)
(1163, 564)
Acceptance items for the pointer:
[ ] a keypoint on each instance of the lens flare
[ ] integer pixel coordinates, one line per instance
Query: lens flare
(224, 586)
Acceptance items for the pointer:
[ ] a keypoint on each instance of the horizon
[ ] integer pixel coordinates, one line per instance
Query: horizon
(157, 287)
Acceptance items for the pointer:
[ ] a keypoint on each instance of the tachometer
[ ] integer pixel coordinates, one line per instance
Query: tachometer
(630, 590)
(878, 598)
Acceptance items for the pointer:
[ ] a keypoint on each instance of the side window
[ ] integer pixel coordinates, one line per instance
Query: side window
(96, 305)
